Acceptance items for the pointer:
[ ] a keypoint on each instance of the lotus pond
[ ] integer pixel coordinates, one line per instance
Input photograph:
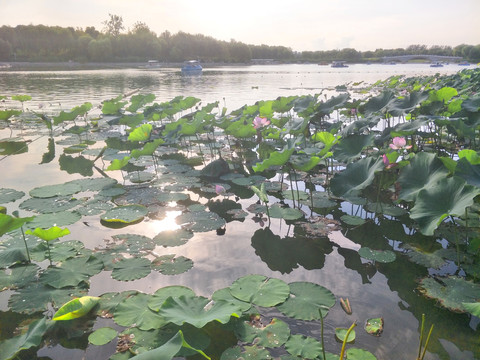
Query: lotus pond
(326, 226)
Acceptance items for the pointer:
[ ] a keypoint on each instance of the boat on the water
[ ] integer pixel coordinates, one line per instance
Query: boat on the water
(436, 64)
(151, 65)
(192, 67)
(339, 64)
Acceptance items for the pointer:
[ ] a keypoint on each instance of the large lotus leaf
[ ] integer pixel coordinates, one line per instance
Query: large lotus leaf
(245, 352)
(276, 158)
(39, 297)
(95, 184)
(451, 291)
(175, 291)
(97, 205)
(10, 348)
(359, 354)
(450, 197)
(200, 221)
(248, 181)
(260, 290)
(306, 300)
(423, 172)
(172, 238)
(279, 212)
(351, 147)
(62, 218)
(131, 269)
(468, 171)
(139, 100)
(109, 301)
(379, 103)
(405, 105)
(303, 346)
(55, 190)
(171, 264)
(273, 335)
(225, 295)
(427, 259)
(134, 311)
(443, 95)
(386, 209)
(9, 223)
(72, 272)
(102, 336)
(356, 177)
(196, 310)
(59, 251)
(383, 256)
(319, 199)
(49, 205)
(408, 128)
(125, 214)
(9, 195)
(135, 243)
(167, 197)
(18, 276)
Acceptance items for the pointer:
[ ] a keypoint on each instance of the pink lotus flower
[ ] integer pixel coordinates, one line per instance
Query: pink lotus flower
(220, 190)
(260, 122)
(399, 143)
(387, 163)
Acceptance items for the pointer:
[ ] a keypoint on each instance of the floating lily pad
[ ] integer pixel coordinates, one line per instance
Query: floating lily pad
(95, 206)
(295, 195)
(72, 272)
(383, 256)
(135, 243)
(95, 184)
(306, 300)
(451, 291)
(172, 238)
(134, 311)
(304, 347)
(226, 295)
(196, 310)
(260, 290)
(171, 265)
(158, 298)
(131, 269)
(279, 212)
(102, 336)
(62, 218)
(386, 209)
(139, 177)
(9, 195)
(49, 205)
(359, 354)
(319, 200)
(341, 335)
(172, 196)
(128, 214)
(18, 276)
(374, 326)
(55, 190)
(432, 260)
(352, 220)
(248, 181)
(319, 226)
(273, 335)
(200, 221)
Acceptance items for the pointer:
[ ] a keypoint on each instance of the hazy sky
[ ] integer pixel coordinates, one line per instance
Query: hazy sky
(300, 24)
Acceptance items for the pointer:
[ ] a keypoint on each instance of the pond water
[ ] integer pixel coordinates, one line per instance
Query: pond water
(247, 246)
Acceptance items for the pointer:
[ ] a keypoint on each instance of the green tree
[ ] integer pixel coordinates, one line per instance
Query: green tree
(114, 25)
(100, 50)
(5, 50)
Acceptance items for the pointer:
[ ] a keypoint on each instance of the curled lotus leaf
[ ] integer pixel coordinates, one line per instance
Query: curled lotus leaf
(76, 308)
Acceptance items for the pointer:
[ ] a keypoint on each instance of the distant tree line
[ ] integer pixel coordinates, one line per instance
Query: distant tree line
(40, 43)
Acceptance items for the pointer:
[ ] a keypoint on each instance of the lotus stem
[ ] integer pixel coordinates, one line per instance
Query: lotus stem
(26, 247)
(421, 337)
(426, 342)
(344, 344)
(321, 334)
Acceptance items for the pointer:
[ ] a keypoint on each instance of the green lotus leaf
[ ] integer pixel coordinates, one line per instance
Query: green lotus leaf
(443, 95)
(472, 308)
(304, 162)
(273, 335)
(251, 180)
(245, 352)
(356, 177)
(306, 300)
(295, 195)
(59, 251)
(303, 346)
(276, 158)
(97, 205)
(118, 164)
(9, 195)
(102, 336)
(351, 147)
(240, 129)
(76, 308)
(428, 259)
(72, 272)
(18, 276)
(7, 114)
(468, 171)
(11, 348)
(49, 205)
(341, 334)
(49, 234)
(125, 214)
(139, 100)
(174, 291)
(9, 223)
(48, 191)
(450, 197)
(109, 301)
(134, 311)
(386, 209)
(38, 297)
(383, 256)
(172, 196)
(225, 295)
(74, 165)
(194, 310)
(113, 106)
(94, 184)
(279, 212)
(200, 221)
(451, 292)
(359, 354)
(261, 193)
(260, 290)
(319, 199)
(352, 220)
(169, 349)
(62, 218)
(374, 326)
(424, 171)
(405, 105)
(409, 127)
(379, 103)
(131, 269)
(171, 264)
(172, 238)
(139, 177)
(134, 243)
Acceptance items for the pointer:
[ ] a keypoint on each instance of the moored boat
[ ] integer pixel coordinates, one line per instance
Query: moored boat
(339, 64)
(436, 64)
(192, 67)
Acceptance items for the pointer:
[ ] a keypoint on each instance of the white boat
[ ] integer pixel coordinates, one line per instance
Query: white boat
(192, 67)
(151, 65)
(339, 64)
(436, 64)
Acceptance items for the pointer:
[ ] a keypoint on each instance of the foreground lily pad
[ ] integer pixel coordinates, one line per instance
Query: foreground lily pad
(260, 290)
(9, 195)
(275, 334)
(131, 269)
(171, 265)
(128, 214)
(304, 347)
(451, 292)
(158, 298)
(102, 336)
(374, 326)
(383, 256)
(134, 311)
